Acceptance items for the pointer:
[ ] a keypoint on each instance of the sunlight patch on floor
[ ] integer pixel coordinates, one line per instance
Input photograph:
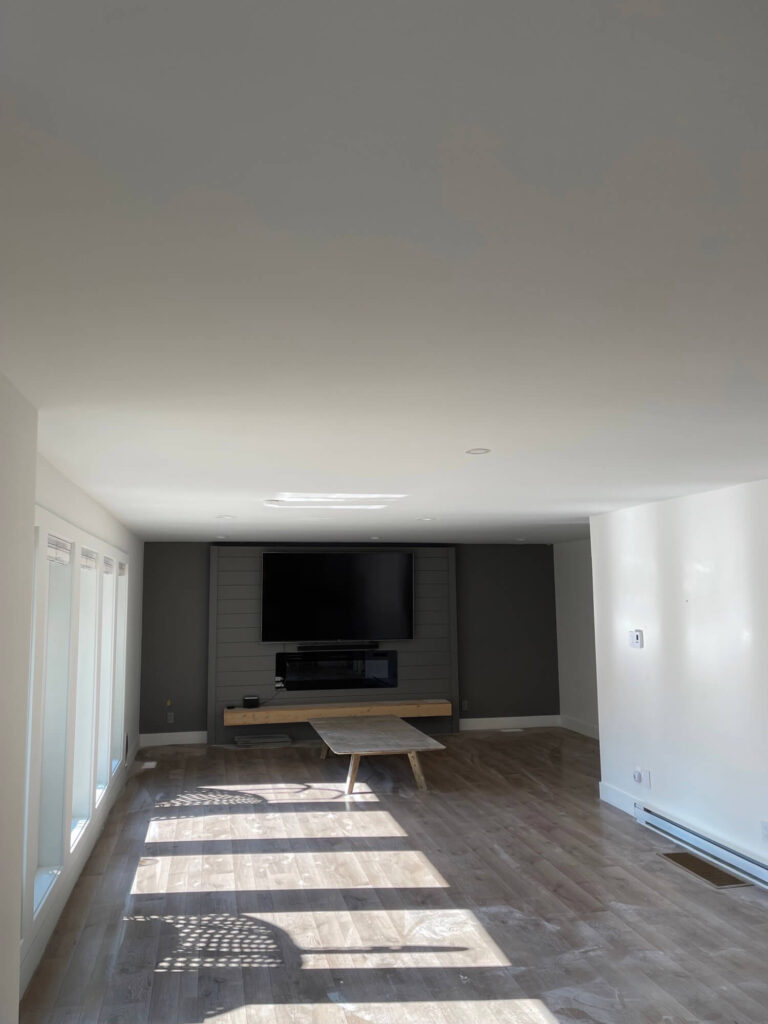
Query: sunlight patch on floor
(279, 792)
(267, 824)
(497, 1011)
(404, 869)
(276, 793)
(336, 939)
(389, 938)
(310, 842)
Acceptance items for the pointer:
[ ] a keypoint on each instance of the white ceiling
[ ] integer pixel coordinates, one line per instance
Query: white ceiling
(328, 245)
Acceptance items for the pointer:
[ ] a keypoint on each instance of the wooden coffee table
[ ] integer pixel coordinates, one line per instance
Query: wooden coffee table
(371, 737)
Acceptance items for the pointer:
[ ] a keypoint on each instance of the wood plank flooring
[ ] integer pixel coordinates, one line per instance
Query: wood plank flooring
(245, 886)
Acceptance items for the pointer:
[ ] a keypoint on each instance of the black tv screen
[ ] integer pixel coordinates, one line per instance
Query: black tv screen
(365, 595)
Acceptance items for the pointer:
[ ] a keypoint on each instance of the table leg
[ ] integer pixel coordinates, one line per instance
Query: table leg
(354, 764)
(418, 774)
(324, 752)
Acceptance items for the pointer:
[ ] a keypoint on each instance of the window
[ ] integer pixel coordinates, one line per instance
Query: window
(85, 701)
(118, 704)
(55, 704)
(77, 697)
(106, 674)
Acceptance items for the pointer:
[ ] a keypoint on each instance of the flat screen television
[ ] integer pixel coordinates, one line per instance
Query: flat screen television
(363, 595)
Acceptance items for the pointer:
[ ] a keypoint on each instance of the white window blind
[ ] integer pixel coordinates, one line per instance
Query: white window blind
(88, 559)
(59, 550)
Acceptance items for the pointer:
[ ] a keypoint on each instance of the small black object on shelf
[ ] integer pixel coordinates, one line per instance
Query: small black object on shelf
(250, 702)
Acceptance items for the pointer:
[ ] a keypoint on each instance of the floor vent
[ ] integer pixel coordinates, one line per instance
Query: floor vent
(705, 869)
(730, 860)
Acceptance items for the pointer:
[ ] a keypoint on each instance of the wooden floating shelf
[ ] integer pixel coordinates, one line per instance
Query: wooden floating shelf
(285, 713)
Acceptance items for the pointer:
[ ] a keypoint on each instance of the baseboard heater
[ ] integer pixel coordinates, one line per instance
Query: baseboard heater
(738, 863)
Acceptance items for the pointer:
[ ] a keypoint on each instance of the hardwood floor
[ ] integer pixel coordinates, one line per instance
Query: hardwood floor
(244, 886)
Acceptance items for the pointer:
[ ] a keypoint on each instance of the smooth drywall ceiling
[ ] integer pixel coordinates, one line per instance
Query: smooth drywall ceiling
(356, 240)
(507, 636)
(68, 501)
(576, 637)
(174, 657)
(18, 446)
(691, 706)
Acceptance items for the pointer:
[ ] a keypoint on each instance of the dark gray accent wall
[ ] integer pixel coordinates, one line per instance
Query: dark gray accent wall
(507, 630)
(507, 646)
(174, 657)
(240, 664)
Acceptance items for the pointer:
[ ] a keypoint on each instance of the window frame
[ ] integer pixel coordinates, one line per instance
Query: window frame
(77, 831)
(102, 778)
(47, 523)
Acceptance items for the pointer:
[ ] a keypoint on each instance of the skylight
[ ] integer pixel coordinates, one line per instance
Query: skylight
(331, 500)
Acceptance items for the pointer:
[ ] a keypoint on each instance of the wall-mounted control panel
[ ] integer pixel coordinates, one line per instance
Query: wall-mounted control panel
(636, 638)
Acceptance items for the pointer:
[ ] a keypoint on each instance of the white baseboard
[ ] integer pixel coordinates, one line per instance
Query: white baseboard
(580, 726)
(618, 798)
(169, 739)
(520, 722)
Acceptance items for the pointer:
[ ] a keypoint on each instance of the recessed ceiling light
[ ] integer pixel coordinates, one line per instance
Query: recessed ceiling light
(520, 540)
(477, 451)
(426, 519)
(375, 538)
(220, 536)
(222, 516)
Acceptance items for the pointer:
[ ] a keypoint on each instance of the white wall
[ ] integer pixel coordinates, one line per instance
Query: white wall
(692, 705)
(18, 443)
(576, 637)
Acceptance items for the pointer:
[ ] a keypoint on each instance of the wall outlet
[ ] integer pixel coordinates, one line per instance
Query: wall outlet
(764, 827)
(170, 718)
(647, 778)
(636, 638)
(637, 775)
